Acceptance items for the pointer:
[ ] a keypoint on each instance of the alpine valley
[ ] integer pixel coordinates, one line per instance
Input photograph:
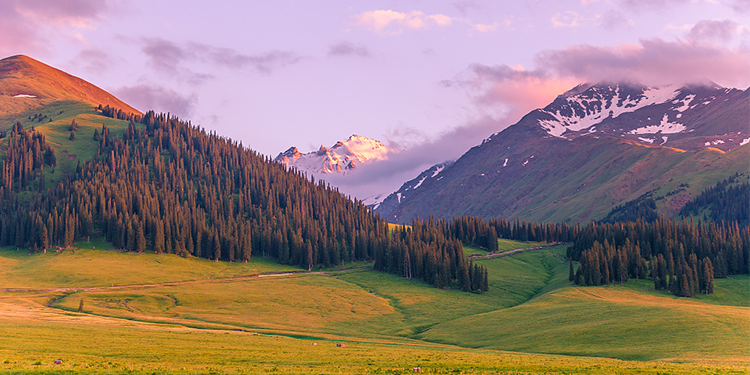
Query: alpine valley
(138, 243)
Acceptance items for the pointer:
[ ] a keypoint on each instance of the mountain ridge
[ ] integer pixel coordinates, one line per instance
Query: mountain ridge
(575, 160)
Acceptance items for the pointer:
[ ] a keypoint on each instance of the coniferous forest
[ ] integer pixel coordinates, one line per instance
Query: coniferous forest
(680, 256)
(169, 187)
(726, 201)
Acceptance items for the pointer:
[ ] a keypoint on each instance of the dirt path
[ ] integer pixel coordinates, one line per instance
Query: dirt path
(170, 283)
(506, 253)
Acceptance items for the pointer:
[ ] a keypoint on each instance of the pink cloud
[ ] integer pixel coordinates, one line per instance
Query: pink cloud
(21, 21)
(391, 22)
(169, 57)
(160, 99)
(348, 49)
(741, 6)
(719, 31)
(653, 61)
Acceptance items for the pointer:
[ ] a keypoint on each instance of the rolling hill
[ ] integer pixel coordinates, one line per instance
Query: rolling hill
(166, 313)
(27, 84)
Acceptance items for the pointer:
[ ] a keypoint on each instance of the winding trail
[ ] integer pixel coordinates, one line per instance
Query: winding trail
(172, 283)
(500, 254)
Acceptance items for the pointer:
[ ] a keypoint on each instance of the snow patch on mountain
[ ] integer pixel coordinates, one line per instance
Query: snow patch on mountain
(408, 188)
(438, 170)
(685, 104)
(420, 182)
(665, 127)
(586, 109)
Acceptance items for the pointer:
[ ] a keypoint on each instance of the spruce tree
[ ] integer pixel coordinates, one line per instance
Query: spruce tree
(571, 275)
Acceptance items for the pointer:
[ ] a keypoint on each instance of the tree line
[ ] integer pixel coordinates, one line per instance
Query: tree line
(680, 256)
(721, 202)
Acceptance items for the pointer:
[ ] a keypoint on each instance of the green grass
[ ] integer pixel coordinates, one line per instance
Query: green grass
(87, 346)
(57, 133)
(502, 245)
(100, 268)
(199, 316)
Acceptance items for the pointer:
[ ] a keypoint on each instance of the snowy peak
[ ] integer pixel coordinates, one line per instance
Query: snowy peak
(639, 113)
(340, 158)
(579, 110)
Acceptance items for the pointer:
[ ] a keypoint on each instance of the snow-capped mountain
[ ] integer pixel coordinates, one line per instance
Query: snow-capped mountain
(671, 115)
(592, 148)
(340, 158)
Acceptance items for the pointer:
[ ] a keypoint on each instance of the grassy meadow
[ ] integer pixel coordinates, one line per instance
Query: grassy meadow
(157, 313)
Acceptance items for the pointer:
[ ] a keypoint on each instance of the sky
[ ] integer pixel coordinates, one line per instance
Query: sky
(430, 78)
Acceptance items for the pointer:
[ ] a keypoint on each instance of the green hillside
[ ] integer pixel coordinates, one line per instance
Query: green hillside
(553, 180)
(166, 306)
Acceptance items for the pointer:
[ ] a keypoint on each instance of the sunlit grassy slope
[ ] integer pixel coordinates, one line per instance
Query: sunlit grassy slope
(57, 118)
(191, 315)
(43, 85)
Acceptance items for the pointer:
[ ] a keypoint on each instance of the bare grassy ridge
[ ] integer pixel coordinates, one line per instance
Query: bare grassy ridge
(198, 316)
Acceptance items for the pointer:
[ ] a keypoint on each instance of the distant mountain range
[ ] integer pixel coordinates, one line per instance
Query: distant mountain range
(342, 157)
(592, 148)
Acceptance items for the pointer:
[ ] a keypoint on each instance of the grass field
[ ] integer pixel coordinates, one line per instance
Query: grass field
(149, 313)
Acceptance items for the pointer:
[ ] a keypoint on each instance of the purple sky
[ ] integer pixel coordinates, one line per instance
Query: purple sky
(433, 77)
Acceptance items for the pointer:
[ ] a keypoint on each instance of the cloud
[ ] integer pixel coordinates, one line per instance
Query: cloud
(390, 22)
(93, 60)
(566, 19)
(713, 31)
(613, 19)
(348, 49)
(169, 57)
(160, 99)
(264, 63)
(638, 5)
(485, 28)
(653, 61)
(74, 13)
(465, 5)
(22, 22)
(741, 6)
(165, 56)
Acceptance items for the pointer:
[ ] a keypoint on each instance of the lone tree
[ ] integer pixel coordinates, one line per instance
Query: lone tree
(72, 135)
(80, 305)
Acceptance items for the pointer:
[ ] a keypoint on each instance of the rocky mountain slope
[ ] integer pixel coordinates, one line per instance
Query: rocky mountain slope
(594, 147)
(388, 203)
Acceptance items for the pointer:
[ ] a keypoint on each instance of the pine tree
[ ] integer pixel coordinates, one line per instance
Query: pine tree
(140, 239)
(571, 275)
